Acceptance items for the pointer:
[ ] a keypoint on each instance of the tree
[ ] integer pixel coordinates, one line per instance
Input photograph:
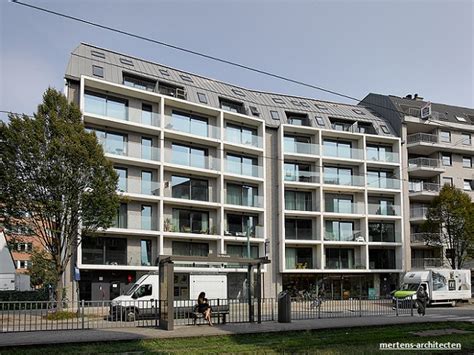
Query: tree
(54, 172)
(450, 223)
(42, 271)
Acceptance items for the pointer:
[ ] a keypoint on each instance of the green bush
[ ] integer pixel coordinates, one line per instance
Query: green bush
(23, 298)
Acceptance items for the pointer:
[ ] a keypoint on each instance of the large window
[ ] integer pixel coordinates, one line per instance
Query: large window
(382, 206)
(298, 200)
(381, 232)
(338, 149)
(339, 203)
(466, 162)
(122, 182)
(121, 216)
(242, 165)
(337, 176)
(241, 225)
(379, 153)
(341, 258)
(299, 258)
(241, 251)
(147, 114)
(139, 82)
(190, 156)
(298, 144)
(232, 106)
(104, 251)
(189, 188)
(146, 216)
(242, 195)
(189, 123)
(113, 143)
(145, 248)
(298, 229)
(298, 172)
(105, 105)
(241, 135)
(147, 182)
(148, 152)
(381, 179)
(190, 221)
(190, 249)
(342, 231)
(382, 259)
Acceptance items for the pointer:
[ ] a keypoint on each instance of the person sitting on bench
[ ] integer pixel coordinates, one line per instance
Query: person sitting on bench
(204, 307)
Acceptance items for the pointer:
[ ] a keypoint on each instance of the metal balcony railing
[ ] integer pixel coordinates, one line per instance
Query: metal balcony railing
(422, 138)
(421, 186)
(423, 263)
(418, 212)
(424, 163)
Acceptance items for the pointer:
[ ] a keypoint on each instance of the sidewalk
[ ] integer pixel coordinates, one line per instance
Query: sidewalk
(122, 334)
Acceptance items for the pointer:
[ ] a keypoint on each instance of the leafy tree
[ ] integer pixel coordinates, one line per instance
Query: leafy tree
(450, 223)
(42, 271)
(54, 172)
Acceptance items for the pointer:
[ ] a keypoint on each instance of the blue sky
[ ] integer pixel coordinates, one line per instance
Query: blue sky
(354, 47)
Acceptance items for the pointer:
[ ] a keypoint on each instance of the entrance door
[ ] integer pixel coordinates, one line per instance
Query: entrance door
(114, 289)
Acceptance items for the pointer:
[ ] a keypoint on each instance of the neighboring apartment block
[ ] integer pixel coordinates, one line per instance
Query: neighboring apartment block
(438, 150)
(208, 168)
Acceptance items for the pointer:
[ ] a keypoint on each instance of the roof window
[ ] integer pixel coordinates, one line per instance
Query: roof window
(275, 115)
(461, 119)
(98, 54)
(385, 129)
(359, 112)
(277, 100)
(321, 107)
(164, 72)
(202, 97)
(320, 120)
(238, 92)
(186, 78)
(254, 111)
(126, 61)
(98, 71)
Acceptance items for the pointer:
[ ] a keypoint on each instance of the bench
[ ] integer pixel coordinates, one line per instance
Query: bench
(221, 313)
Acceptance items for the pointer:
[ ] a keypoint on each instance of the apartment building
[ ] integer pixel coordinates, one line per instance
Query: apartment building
(437, 150)
(209, 168)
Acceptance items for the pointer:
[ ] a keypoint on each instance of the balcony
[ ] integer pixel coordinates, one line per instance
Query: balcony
(343, 153)
(344, 236)
(383, 183)
(130, 150)
(423, 263)
(425, 167)
(142, 187)
(345, 180)
(301, 176)
(198, 160)
(384, 210)
(300, 148)
(426, 144)
(253, 141)
(247, 201)
(172, 91)
(251, 232)
(386, 237)
(345, 208)
(255, 171)
(195, 127)
(418, 213)
(423, 190)
(421, 238)
(382, 156)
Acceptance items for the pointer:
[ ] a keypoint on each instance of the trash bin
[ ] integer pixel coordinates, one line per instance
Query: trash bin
(284, 307)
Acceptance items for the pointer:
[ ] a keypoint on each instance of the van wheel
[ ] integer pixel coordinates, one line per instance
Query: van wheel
(454, 303)
(130, 315)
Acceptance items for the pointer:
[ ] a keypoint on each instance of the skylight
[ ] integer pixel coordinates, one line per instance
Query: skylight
(275, 115)
(186, 78)
(98, 54)
(126, 61)
(238, 92)
(164, 72)
(98, 71)
(278, 100)
(321, 107)
(202, 97)
(461, 119)
(320, 120)
(385, 129)
(254, 111)
(359, 112)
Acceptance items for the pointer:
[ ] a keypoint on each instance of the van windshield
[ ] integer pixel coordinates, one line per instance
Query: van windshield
(132, 290)
(410, 287)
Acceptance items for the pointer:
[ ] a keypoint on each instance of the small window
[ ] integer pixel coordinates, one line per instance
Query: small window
(277, 100)
(359, 112)
(238, 92)
(466, 138)
(445, 136)
(385, 129)
(304, 104)
(126, 61)
(275, 115)
(319, 120)
(202, 97)
(446, 158)
(186, 78)
(98, 54)
(321, 107)
(254, 111)
(164, 72)
(97, 71)
(448, 181)
(466, 162)
(296, 103)
(461, 119)
(468, 185)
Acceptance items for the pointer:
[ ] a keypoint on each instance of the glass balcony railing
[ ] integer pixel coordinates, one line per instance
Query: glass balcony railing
(198, 128)
(301, 148)
(250, 140)
(418, 212)
(252, 232)
(386, 237)
(381, 156)
(139, 187)
(302, 176)
(251, 201)
(345, 180)
(150, 188)
(197, 160)
(243, 169)
(384, 210)
(350, 208)
(306, 234)
(346, 153)
(421, 186)
(383, 183)
(424, 163)
(130, 149)
(344, 236)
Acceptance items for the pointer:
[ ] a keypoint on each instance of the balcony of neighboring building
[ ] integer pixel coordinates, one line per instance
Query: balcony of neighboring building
(424, 167)
(425, 263)
(445, 140)
(421, 239)
(422, 190)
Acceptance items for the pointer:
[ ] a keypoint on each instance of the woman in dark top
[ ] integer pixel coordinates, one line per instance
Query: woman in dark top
(204, 308)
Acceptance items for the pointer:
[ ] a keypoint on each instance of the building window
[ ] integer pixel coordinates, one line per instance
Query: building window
(23, 264)
(298, 200)
(243, 195)
(202, 97)
(277, 100)
(113, 143)
(382, 259)
(146, 217)
(381, 232)
(138, 82)
(121, 216)
(98, 71)
(385, 129)
(241, 225)
(242, 165)
(238, 92)
(122, 181)
(189, 123)
(321, 107)
(299, 258)
(379, 153)
(147, 187)
(339, 231)
(241, 251)
(232, 106)
(147, 114)
(467, 162)
(320, 120)
(298, 144)
(468, 185)
(190, 249)
(23, 247)
(339, 149)
(445, 136)
(190, 221)
(446, 158)
(339, 203)
(298, 229)
(254, 111)
(104, 251)
(104, 105)
(172, 90)
(190, 156)
(342, 125)
(241, 135)
(186, 78)
(164, 72)
(298, 121)
(145, 252)
(341, 258)
(189, 188)
(381, 179)
(466, 139)
(337, 176)
(274, 115)
(448, 181)
(148, 151)
(359, 112)
(299, 172)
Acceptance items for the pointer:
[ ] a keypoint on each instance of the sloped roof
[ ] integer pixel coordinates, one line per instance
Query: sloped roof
(114, 64)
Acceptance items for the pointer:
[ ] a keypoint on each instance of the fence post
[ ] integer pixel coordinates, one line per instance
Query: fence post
(218, 314)
(396, 307)
(411, 305)
(360, 305)
(82, 313)
(156, 313)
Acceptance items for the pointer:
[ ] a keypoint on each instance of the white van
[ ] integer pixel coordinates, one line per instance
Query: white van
(142, 298)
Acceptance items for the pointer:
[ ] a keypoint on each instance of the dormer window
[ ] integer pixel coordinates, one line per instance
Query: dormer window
(297, 119)
(171, 90)
(341, 125)
(138, 82)
(232, 106)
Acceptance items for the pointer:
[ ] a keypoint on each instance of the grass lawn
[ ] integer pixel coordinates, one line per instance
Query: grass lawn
(363, 340)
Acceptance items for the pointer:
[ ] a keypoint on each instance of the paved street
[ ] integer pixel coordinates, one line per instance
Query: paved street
(438, 314)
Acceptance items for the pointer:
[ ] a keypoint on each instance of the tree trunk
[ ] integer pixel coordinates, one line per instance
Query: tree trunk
(59, 292)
